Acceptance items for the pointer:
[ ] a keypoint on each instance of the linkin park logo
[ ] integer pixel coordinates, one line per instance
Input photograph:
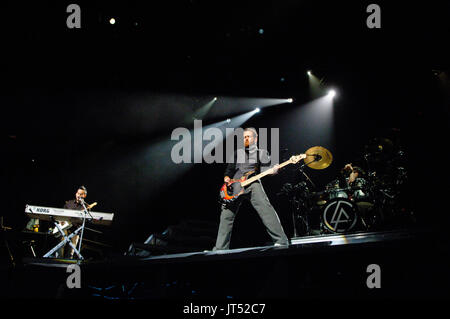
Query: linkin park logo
(343, 216)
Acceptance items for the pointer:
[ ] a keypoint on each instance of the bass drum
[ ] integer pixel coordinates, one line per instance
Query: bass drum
(339, 216)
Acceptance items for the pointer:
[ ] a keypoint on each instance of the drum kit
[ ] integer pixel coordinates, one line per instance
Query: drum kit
(344, 207)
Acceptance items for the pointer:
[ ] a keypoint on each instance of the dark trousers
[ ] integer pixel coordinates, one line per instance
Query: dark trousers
(267, 213)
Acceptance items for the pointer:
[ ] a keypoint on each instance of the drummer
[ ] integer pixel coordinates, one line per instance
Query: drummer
(354, 177)
(353, 172)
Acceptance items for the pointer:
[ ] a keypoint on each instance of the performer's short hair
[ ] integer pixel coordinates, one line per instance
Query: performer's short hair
(253, 130)
(83, 188)
(356, 169)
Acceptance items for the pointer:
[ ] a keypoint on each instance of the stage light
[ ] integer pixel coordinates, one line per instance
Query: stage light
(290, 100)
(309, 72)
(215, 99)
(228, 120)
(331, 93)
(112, 21)
(257, 110)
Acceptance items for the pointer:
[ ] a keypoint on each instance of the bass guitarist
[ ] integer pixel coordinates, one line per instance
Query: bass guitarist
(256, 160)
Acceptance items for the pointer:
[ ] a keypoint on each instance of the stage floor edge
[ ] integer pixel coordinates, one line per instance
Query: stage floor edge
(298, 245)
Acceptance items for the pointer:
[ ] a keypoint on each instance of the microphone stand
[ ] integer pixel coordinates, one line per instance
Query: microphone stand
(86, 212)
(301, 170)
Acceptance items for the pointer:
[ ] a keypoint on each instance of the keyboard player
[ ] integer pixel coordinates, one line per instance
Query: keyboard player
(74, 204)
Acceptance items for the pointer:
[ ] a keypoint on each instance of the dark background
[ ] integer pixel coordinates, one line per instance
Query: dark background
(84, 106)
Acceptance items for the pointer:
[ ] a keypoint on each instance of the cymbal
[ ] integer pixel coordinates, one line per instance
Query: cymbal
(323, 160)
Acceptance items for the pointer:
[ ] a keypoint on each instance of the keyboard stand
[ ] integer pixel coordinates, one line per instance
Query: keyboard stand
(67, 239)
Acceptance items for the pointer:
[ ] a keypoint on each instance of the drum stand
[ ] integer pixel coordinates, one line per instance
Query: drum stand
(294, 201)
(299, 210)
(295, 204)
(302, 210)
(301, 215)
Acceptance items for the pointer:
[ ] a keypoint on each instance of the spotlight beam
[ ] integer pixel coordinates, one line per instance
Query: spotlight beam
(315, 86)
(225, 127)
(200, 113)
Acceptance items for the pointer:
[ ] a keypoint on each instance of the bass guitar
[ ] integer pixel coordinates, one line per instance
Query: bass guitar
(235, 187)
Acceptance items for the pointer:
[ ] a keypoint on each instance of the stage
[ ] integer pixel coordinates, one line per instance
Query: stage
(411, 264)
